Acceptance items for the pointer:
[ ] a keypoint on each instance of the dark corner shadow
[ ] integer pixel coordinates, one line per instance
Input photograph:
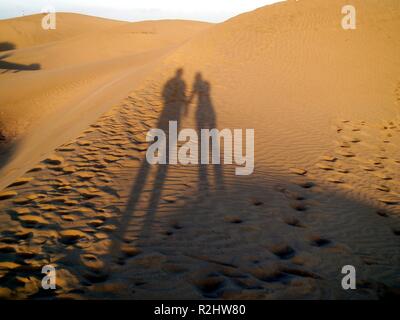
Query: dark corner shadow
(7, 150)
(6, 66)
(175, 107)
(386, 287)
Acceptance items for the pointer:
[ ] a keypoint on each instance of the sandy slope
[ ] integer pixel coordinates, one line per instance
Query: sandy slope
(25, 32)
(86, 66)
(324, 105)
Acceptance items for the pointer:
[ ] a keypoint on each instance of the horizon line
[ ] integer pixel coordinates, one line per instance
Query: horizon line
(139, 15)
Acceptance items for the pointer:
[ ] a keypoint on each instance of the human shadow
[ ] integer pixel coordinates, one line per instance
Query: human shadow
(7, 66)
(175, 104)
(153, 177)
(206, 119)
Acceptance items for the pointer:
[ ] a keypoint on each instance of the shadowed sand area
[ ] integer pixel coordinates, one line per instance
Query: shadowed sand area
(325, 193)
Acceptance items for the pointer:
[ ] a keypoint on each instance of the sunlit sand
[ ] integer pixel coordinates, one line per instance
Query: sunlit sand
(76, 105)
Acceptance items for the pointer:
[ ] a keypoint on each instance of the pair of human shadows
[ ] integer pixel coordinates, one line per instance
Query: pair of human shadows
(175, 107)
(12, 66)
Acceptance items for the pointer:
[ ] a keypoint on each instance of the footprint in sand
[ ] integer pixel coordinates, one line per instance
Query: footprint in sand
(383, 188)
(210, 286)
(54, 160)
(293, 222)
(20, 182)
(329, 158)
(343, 170)
(298, 206)
(367, 168)
(383, 176)
(282, 251)
(306, 184)
(382, 213)
(390, 200)
(233, 219)
(346, 154)
(337, 180)
(298, 171)
(355, 140)
(325, 167)
(345, 145)
(7, 195)
(319, 241)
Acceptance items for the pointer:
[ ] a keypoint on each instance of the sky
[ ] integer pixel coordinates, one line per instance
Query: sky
(136, 10)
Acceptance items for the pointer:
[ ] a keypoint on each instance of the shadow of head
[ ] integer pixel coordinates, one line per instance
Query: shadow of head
(198, 76)
(33, 66)
(179, 72)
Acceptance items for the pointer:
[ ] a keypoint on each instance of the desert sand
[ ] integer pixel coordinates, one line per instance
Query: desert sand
(79, 194)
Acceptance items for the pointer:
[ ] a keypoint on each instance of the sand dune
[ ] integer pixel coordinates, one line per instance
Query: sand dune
(25, 32)
(324, 104)
(82, 71)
